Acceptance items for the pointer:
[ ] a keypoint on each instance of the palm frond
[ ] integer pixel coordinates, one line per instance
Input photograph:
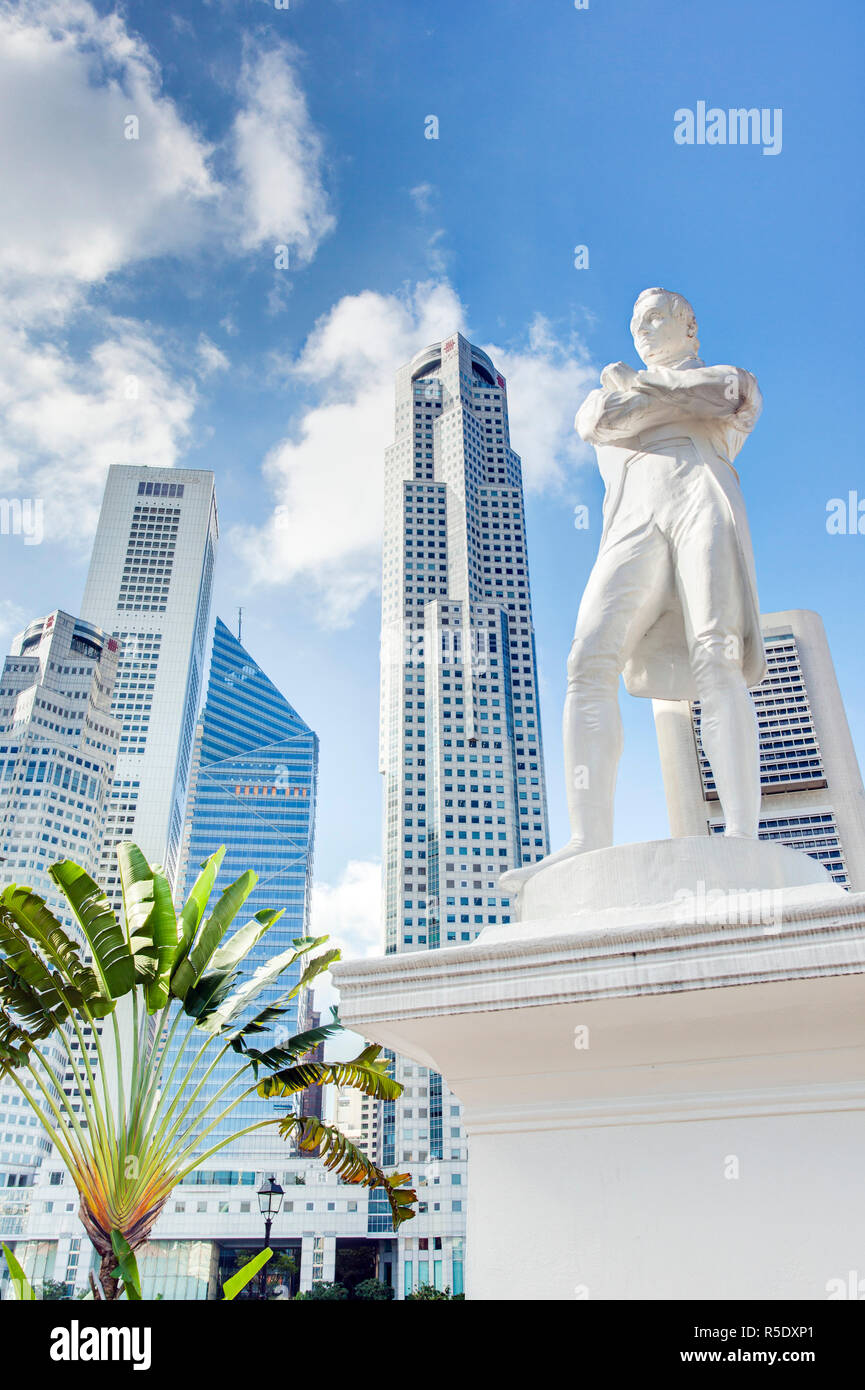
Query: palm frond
(193, 909)
(28, 965)
(163, 926)
(343, 1157)
(15, 1043)
(283, 1054)
(364, 1073)
(112, 959)
(31, 917)
(28, 1005)
(214, 1020)
(137, 882)
(208, 992)
(189, 971)
(239, 945)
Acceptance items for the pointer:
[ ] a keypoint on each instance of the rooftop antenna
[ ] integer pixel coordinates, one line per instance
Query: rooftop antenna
(240, 624)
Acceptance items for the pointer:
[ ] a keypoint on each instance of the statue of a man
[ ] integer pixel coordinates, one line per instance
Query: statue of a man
(671, 602)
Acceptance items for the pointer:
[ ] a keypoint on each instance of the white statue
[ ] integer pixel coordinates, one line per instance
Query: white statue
(671, 602)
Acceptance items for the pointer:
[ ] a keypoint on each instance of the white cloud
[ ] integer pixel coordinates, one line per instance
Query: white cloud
(210, 357)
(422, 196)
(13, 619)
(547, 380)
(349, 912)
(82, 200)
(438, 256)
(89, 200)
(84, 203)
(278, 158)
(327, 476)
(66, 420)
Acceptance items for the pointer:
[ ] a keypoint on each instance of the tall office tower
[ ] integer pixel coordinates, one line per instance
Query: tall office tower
(58, 748)
(149, 583)
(253, 790)
(358, 1117)
(813, 798)
(461, 752)
(312, 1099)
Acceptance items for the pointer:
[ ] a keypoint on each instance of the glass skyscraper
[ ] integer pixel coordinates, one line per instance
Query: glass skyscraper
(253, 789)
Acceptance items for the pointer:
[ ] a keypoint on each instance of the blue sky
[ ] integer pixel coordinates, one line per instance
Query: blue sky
(153, 260)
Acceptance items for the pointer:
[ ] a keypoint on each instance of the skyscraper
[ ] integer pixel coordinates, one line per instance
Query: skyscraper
(149, 584)
(357, 1117)
(461, 750)
(58, 748)
(813, 798)
(253, 789)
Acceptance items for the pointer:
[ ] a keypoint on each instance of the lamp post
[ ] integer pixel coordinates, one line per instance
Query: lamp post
(270, 1196)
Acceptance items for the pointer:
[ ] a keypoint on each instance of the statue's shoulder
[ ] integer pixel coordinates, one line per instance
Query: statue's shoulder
(728, 369)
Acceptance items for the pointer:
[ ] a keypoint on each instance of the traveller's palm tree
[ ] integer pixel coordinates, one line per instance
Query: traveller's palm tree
(145, 1113)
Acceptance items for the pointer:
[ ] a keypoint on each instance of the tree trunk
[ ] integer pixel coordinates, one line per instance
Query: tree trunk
(137, 1235)
(110, 1285)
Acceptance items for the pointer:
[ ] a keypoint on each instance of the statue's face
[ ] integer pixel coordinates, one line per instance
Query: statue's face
(659, 336)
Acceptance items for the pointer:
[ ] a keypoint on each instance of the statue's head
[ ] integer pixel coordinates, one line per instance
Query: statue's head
(664, 328)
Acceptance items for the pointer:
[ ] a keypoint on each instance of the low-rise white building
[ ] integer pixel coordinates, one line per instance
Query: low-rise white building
(210, 1222)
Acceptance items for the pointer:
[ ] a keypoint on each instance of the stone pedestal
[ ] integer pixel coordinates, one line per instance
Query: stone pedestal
(662, 1099)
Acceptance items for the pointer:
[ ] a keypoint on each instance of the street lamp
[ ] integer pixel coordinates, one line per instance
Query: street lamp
(270, 1196)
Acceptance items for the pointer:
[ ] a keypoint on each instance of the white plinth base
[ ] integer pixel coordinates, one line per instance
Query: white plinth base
(667, 1108)
(640, 879)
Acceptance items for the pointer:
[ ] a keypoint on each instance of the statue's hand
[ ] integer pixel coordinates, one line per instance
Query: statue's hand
(618, 376)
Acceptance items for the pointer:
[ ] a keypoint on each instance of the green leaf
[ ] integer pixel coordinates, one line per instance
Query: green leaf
(212, 988)
(231, 1288)
(21, 1286)
(127, 1267)
(217, 1019)
(33, 918)
(28, 1005)
(39, 997)
(112, 959)
(163, 924)
(317, 966)
(260, 1022)
(191, 969)
(276, 1007)
(284, 1054)
(193, 909)
(217, 980)
(137, 882)
(364, 1073)
(238, 946)
(28, 965)
(341, 1156)
(14, 1044)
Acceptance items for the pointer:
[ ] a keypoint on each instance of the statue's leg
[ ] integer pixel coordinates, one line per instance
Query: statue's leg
(592, 736)
(712, 590)
(625, 594)
(728, 726)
